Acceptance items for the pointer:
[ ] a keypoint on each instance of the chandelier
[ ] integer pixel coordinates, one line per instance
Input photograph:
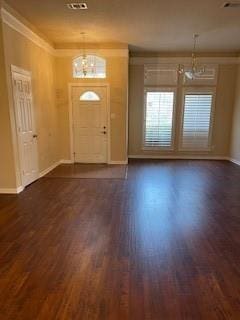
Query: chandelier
(86, 64)
(195, 69)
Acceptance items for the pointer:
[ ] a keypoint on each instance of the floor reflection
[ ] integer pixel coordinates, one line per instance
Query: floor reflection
(168, 206)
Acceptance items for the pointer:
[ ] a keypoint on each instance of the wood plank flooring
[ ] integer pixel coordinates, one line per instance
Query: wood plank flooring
(163, 244)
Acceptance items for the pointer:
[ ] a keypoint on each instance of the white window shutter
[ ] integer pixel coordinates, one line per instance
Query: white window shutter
(197, 111)
(158, 122)
(160, 74)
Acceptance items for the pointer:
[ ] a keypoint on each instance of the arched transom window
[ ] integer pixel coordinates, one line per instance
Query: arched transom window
(89, 96)
(89, 66)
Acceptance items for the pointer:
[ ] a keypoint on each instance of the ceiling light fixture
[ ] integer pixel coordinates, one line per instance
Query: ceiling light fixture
(195, 70)
(85, 65)
(84, 57)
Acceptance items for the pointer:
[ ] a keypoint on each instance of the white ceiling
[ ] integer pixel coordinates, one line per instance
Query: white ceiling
(145, 25)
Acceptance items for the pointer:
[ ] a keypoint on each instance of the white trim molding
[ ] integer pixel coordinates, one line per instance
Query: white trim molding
(25, 31)
(99, 52)
(11, 190)
(234, 161)
(66, 161)
(183, 60)
(53, 166)
(18, 26)
(118, 162)
(179, 157)
(21, 71)
(20, 189)
(46, 171)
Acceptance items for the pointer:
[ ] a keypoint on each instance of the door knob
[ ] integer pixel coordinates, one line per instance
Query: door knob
(35, 136)
(104, 132)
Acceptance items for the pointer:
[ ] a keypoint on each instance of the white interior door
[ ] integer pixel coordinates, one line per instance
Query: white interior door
(90, 124)
(27, 137)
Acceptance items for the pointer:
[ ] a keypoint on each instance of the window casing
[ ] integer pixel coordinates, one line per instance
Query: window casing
(159, 114)
(197, 119)
(191, 130)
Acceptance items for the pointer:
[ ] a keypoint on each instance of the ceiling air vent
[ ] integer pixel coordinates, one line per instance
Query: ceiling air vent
(77, 6)
(235, 5)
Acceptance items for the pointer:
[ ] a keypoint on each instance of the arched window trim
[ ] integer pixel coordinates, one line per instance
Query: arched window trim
(89, 96)
(98, 71)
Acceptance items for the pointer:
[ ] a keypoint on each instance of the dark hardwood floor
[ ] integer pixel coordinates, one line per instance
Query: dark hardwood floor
(163, 244)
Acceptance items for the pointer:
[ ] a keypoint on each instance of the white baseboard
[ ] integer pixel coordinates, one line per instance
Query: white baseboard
(66, 161)
(110, 162)
(118, 162)
(53, 166)
(11, 190)
(20, 189)
(234, 161)
(172, 157)
(46, 171)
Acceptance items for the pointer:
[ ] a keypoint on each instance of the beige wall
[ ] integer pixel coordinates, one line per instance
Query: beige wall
(7, 170)
(222, 120)
(50, 105)
(23, 53)
(117, 77)
(51, 76)
(235, 147)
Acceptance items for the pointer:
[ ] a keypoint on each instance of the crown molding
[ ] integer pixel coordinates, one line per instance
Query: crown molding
(101, 52)
(90, 45)
(25, 31)
(183, 60)
(18, 26)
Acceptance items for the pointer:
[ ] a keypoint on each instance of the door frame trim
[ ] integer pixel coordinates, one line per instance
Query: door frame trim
(70, 111)
(16, 143)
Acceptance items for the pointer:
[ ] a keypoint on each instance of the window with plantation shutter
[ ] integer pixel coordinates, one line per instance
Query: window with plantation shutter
(197, 118)
(158, 120)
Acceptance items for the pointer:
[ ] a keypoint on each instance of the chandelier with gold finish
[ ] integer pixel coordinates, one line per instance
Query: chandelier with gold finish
(85, 64)
(195, 70)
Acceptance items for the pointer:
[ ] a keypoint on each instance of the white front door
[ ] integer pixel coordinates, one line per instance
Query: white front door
(90, 124)
(27, 138)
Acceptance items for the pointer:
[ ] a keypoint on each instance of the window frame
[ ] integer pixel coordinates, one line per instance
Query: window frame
(158, 69)
(90, 100)
(197, 90)
(74, 76)
(159, 89)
